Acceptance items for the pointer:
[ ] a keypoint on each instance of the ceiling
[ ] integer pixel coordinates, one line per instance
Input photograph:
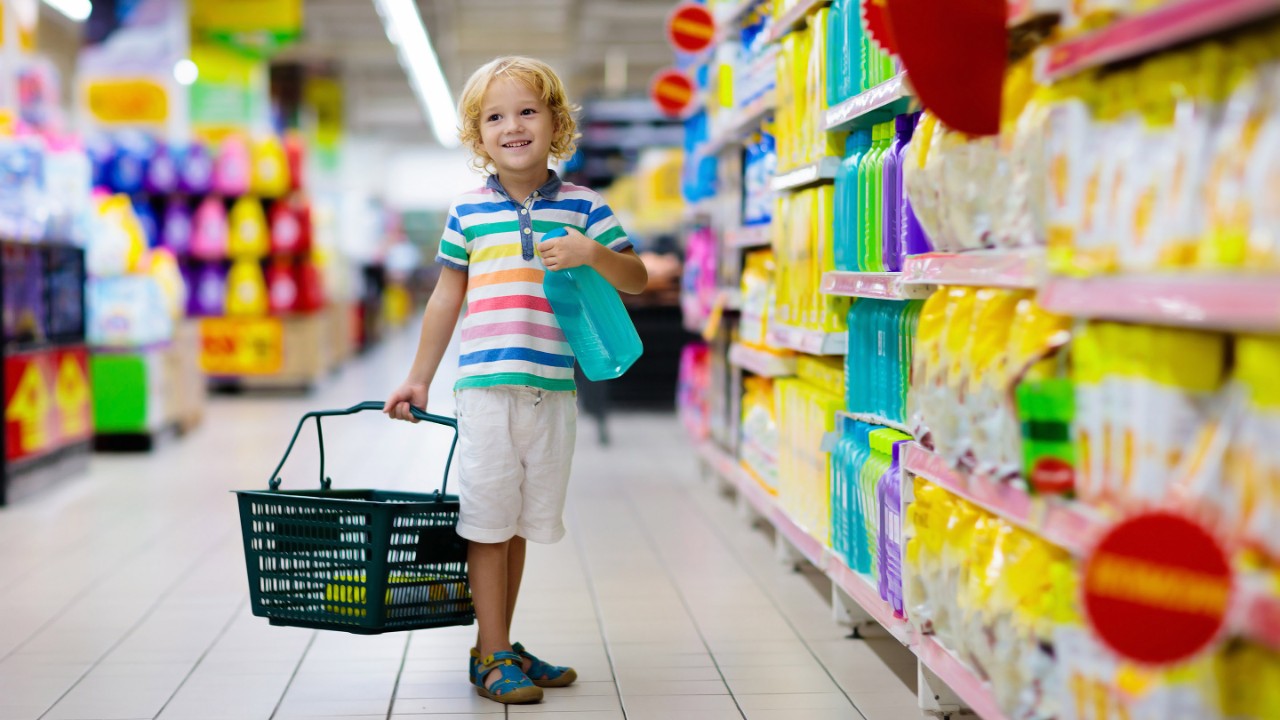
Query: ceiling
(598, 46)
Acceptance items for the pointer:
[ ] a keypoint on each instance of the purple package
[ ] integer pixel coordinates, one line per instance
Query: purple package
(210, 292)
(891, 248)
(162, 171)
(914, 241)
(175, 234)
(195, 169)
(889, 492)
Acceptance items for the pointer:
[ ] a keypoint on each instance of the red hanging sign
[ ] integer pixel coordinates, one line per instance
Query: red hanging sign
(691, 28)
(1157, 588)
(875, 19)
(955, 52)
(672, 91)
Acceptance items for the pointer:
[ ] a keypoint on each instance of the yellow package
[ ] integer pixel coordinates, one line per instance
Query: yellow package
(926, 366)
(985, 396)
(759, 447)
(784, 118)
(959, 327)
(757, 283)
(1088, 370)
(1250, 496)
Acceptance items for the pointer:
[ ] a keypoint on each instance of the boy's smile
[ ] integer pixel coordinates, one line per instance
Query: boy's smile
(516, 127)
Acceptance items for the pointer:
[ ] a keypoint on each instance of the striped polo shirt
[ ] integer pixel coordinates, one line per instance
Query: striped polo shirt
(509, 334)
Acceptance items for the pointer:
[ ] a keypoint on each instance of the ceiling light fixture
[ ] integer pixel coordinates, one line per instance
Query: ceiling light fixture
(403, 25)
(78, 10)
(186, 72)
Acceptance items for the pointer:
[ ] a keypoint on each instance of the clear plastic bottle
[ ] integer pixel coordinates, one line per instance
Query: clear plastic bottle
(593, 319)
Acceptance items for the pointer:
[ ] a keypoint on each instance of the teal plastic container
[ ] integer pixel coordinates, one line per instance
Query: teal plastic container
(593, 319)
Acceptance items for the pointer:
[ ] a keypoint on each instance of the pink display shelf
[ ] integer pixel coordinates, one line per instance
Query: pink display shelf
(760, 362)
(975, 692)
(1241, 302)
(868, 598)
(1068, 525)
(982, 268)
(881, 286)
(1141, 34)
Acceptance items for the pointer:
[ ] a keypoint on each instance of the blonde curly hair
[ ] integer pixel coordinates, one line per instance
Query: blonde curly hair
(538, 77)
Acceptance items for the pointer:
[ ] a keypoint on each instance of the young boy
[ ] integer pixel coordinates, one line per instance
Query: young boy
(516, 404)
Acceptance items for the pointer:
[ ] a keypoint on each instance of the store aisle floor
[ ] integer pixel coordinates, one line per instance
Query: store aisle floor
(124, 591)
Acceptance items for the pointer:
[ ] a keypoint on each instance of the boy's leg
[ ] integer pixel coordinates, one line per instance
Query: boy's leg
(517, 548)
(487, 567)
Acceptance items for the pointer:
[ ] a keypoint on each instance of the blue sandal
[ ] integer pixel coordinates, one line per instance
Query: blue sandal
(543, 674)
(512, 685)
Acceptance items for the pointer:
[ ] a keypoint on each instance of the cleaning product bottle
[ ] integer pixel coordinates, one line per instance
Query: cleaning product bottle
(231, 169)
(246, 289)
(593, 319)
(914, 239)
(847, 209)
(175, 233)
(282, 287)
(210, 295)
(247, 229)
(209, 241)
(892, 251)
(835, 51)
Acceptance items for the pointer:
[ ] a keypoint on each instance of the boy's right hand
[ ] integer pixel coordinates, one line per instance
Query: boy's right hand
(397, 406)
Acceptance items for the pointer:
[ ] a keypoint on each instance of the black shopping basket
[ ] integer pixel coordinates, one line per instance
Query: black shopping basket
(360, 561)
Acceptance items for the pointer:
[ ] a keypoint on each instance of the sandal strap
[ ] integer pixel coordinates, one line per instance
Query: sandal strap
(497, 660)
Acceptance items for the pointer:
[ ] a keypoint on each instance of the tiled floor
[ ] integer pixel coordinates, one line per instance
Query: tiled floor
(124, 592)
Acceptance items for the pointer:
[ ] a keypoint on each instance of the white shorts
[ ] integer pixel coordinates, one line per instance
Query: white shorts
(515, 451)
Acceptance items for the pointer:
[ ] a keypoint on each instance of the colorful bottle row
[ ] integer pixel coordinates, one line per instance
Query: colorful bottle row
(803, 230)
(854, 62)
(802, 97)
(875, 225)
(806, 412)
(866, 505)
(133, 162)
(242, 289)
(878, 361)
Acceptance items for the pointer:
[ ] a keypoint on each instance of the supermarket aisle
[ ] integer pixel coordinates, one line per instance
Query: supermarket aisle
(125, 596)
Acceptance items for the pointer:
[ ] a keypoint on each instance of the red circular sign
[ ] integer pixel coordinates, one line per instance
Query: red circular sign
(1157, 588)
(691, 28)
(875, 18)
(672, 91)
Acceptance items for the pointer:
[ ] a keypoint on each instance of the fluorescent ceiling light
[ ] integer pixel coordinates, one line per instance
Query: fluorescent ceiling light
(404, 28)
(185, 72)
(77, 10)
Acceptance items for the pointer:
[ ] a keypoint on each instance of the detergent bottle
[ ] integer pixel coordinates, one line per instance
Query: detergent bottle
(593, 319)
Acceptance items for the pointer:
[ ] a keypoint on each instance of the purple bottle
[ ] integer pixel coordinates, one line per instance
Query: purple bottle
(162, 172)
(891, 236)
(176, 231)
(914, 241)
(209, 297)
(889, 497)
(195, 169)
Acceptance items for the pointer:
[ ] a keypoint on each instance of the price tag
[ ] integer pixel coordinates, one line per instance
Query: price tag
(241, 346)
(47, 402)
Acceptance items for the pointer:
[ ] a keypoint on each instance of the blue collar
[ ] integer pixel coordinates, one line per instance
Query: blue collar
(549, 190)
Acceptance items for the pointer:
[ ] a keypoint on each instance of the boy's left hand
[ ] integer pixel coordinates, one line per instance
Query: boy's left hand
(571, 251)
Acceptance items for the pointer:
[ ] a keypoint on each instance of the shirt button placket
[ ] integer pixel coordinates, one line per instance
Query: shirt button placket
(526, 233)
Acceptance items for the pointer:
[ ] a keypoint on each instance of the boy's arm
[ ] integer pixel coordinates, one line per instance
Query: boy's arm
(438, 323)
(623, 269)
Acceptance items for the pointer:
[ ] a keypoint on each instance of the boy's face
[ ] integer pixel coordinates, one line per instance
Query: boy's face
(516, 127)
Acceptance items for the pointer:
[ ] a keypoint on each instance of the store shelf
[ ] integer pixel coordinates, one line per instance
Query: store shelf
(878, 104)
(727, 21)
(760, 362)
(881, 286)
(981, 268)
(1241, 302)
(809, 342)
(726, 467)
(813, 173)
(859, 588)
(751, 236)
(1169, 25)
(975, 692)
(794, 17)
(740, 128)
(874, 420)
(1068, 525)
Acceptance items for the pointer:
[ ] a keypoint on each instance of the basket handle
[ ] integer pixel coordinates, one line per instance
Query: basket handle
(326, 482)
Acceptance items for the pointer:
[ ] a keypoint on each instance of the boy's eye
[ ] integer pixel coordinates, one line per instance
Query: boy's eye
(528, 111)
(494, 117)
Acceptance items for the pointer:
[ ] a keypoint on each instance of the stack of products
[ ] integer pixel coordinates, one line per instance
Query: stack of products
(866, 503)
(878, 362)
(807, 407)
(758, 272)
(993, 594)
(699, 282)
(802, 97)
(1171, 163)
(802, 234)
(760, 438)
(974, 346)
(760, 165)
(854, 62)
(876, 227)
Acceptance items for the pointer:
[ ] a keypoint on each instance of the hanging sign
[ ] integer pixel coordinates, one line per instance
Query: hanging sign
(241, 346)
(672, 91)
(258, 28)
(1157, 588)
(931, 36)
(126, 101)
(47, 402)
(691, 28)
(875, 19)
